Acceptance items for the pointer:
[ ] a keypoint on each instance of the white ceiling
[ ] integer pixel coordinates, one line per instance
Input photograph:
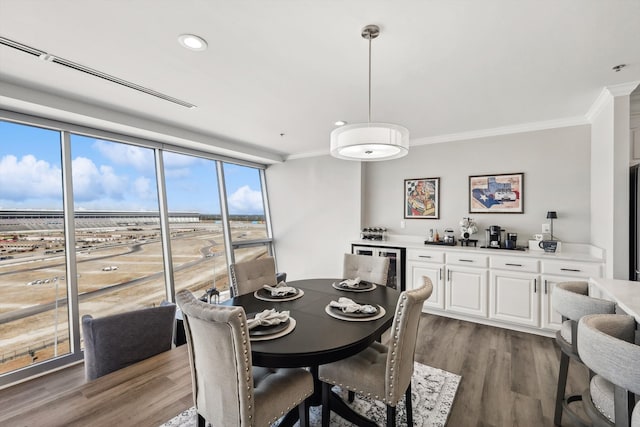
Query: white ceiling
(444, 69)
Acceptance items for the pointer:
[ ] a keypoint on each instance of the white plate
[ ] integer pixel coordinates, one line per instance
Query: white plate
(380, 314)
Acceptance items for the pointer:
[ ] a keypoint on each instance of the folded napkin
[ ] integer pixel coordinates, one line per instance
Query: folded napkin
(349, 306)
(350, 283)
(279, 290)
(268, 317)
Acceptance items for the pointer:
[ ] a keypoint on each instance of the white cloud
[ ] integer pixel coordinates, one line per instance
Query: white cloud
(91, 182)
(125, 154)
(29, 178)
(245, 200)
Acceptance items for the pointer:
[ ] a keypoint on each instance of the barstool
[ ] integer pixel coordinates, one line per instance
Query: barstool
(571, 300)
(606, 346)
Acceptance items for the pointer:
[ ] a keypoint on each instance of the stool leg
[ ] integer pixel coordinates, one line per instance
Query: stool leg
(562, 384)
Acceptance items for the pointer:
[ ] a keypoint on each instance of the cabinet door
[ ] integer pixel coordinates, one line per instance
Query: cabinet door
(466, 291)
(514, 297)
(417, 270)
(551, 319)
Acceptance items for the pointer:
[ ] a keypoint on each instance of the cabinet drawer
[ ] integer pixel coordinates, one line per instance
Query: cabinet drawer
(575, 269)
(471, 260)
(515, 263)
(425, 255)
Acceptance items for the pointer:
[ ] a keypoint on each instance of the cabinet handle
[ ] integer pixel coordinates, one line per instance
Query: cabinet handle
(514, 265)
(571, 269)
(466, 260)
(535, 286)
(546, 287)
(449, 275)
(440, 273)
(424, 256)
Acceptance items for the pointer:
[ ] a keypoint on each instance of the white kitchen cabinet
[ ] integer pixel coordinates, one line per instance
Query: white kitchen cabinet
(466, 290)
(421, 263)
(500, 288)
(554, 272)
(514, 290)
(515, 297)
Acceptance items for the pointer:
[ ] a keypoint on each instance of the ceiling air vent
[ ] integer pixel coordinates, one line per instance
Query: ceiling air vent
(78, 67)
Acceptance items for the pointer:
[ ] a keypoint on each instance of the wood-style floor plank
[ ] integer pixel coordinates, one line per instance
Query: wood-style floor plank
(508, 379)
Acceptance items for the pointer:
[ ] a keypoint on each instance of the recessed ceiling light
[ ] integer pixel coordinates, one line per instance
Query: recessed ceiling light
(192, 42)
(340, 123)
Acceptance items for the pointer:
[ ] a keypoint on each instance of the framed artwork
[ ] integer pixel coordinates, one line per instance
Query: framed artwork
(422, 198)
(503, 193)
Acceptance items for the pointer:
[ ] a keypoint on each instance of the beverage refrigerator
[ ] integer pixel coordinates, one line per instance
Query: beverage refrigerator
(395, 278)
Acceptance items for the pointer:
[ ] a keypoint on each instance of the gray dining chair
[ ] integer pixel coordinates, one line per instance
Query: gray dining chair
(119, 340)
(250, 276)
(227, 389)
(606, 346)
(572, 301)
(379, 371)
(372, 269)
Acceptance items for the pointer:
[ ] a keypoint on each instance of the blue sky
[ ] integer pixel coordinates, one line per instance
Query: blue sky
(114, 176)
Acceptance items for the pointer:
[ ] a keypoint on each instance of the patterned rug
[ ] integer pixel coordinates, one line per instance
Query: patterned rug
(433, 392)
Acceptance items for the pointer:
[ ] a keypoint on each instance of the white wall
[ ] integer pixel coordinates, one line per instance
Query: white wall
(315, 212)
(556, 166)
(610, 180)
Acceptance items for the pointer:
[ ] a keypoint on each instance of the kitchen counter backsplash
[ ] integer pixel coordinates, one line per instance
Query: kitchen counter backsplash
(569, 251)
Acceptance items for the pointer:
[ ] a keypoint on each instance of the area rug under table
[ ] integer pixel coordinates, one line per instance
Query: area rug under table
(433, 392)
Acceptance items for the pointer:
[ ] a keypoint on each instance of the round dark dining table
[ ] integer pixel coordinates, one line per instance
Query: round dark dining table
(318, 338)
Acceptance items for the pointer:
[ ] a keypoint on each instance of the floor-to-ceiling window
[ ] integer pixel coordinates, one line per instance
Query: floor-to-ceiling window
(119, 257)
(33, 293)
(114, 196)
(197, 235)
(247, 214)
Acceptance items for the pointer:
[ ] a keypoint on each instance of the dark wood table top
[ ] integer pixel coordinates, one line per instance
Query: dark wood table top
(318, 338)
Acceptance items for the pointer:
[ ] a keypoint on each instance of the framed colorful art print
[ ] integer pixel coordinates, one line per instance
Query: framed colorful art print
(500, 193)
(422, 198)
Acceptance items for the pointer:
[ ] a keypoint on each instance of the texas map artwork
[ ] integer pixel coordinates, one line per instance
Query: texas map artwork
(496, 193)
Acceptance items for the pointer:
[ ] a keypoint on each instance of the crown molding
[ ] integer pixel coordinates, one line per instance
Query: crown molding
(505, 130)
(623, 89)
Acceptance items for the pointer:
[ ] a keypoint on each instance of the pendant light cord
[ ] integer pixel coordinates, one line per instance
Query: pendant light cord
(369, 79)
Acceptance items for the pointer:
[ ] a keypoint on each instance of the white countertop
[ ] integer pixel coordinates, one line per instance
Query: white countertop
(625, 293)
(569, 252)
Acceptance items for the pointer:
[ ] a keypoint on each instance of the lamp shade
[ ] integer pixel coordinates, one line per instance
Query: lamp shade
(552, 215)
(370, 142)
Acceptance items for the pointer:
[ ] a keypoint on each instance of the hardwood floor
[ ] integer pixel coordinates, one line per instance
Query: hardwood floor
(508, 378)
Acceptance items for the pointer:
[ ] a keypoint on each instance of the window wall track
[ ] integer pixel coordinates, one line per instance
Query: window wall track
(239, 240)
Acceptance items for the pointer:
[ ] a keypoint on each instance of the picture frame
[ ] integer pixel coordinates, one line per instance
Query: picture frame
(497, 193)
(422, 198)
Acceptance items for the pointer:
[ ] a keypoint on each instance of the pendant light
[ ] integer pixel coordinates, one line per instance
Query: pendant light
(370, 141)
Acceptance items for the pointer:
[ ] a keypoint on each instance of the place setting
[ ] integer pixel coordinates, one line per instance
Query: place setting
(278, 293)
(349, 310)
(354, 285)
(269, 324)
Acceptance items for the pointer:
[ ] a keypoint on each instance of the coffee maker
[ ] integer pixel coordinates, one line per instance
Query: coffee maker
(494, 236)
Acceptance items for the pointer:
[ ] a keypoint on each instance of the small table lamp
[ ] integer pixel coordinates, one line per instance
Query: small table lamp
(551, 215)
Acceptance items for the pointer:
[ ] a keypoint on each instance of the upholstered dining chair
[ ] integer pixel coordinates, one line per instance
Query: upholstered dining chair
(227, 390)
(372, 269)
(606, 346)
(382, 372)
(249, 276)
(119, 340)
(572, 301)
